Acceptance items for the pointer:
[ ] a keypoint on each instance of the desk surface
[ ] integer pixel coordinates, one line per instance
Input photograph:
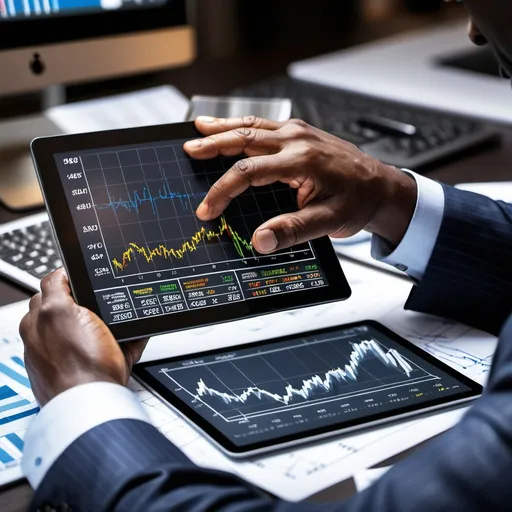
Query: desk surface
(490, 165)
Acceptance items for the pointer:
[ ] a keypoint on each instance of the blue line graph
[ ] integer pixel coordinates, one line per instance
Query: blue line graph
(459, 357)
(136, 200)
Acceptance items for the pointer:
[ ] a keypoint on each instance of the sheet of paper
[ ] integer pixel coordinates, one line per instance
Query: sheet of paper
(368, 477)
(17, 403)
(157, 105)
(468, 350)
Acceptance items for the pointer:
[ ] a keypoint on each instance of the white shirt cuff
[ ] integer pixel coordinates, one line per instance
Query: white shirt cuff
(414, 251)
(69, 415)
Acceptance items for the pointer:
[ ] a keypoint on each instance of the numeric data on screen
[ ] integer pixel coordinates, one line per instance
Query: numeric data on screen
(148, 254)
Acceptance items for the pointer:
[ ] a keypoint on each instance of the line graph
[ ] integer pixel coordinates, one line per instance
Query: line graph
(285, 378)
(307, 391)
(203, 235)
(137, 199)
(459, 358)
(143, 201)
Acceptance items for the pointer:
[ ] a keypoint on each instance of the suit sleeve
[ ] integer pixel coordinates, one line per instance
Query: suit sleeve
(126, 465)
(469, 275)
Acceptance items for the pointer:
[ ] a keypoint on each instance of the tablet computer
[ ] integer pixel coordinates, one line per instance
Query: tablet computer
(122, 205)
(274, 394)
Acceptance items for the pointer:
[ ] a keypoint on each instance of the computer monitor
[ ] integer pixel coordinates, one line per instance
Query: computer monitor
(45, 43)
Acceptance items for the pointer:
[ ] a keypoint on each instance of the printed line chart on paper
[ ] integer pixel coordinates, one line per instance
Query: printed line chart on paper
(465, 349)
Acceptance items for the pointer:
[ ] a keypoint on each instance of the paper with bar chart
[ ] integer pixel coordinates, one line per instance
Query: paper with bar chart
(146, 251)
(17, 403)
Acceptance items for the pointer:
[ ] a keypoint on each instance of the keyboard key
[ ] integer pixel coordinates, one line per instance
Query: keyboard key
(41, 270)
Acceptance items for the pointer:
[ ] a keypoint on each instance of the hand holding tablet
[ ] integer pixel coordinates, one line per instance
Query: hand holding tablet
(122, 204)
(123, 207)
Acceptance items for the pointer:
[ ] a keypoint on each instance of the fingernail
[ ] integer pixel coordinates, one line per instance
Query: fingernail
(206, 119)
(265, 240)
(194, 144)
(202, 210)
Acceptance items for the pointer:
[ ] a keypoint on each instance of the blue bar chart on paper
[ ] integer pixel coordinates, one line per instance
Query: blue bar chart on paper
(18, 406)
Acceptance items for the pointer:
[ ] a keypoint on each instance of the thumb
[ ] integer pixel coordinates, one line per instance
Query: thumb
(313, 221)
(133, 351)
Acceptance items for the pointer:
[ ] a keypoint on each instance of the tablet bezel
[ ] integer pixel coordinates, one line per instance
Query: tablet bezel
(258, 448)
(44, 150)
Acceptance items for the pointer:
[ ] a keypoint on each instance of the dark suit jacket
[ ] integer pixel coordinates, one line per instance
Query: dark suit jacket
(128, 465)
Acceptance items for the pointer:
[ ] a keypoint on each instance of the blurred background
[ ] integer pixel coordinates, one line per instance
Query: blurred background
(240, 41)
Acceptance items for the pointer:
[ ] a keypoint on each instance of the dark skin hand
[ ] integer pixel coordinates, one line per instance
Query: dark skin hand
(67, 345)
(340, 190)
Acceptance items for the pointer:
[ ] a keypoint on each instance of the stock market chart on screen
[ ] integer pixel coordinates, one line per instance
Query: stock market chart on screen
(17, 9)
(148, 254)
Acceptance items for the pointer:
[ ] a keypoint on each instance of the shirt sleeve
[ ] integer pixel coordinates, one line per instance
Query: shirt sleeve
(69, 415)
(413, 253)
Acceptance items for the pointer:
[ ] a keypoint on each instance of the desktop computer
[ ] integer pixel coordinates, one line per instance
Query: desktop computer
(47, 43)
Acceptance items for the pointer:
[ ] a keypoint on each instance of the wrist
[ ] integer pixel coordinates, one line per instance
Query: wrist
(66, 382)
(400, 195)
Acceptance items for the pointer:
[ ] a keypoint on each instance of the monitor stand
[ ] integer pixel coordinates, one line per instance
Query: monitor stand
(19, 188)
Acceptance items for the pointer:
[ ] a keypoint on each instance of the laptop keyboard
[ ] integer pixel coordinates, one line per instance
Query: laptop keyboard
(28, 250)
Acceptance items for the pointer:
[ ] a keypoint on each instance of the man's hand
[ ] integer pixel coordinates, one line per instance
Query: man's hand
(67, 345)
(340, 190)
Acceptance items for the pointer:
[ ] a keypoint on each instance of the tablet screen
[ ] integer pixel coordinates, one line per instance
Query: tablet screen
(146, 252)
(304, 385)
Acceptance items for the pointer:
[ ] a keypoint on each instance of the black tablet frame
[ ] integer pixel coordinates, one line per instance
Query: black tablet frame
(341, 428)
(44, 150)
